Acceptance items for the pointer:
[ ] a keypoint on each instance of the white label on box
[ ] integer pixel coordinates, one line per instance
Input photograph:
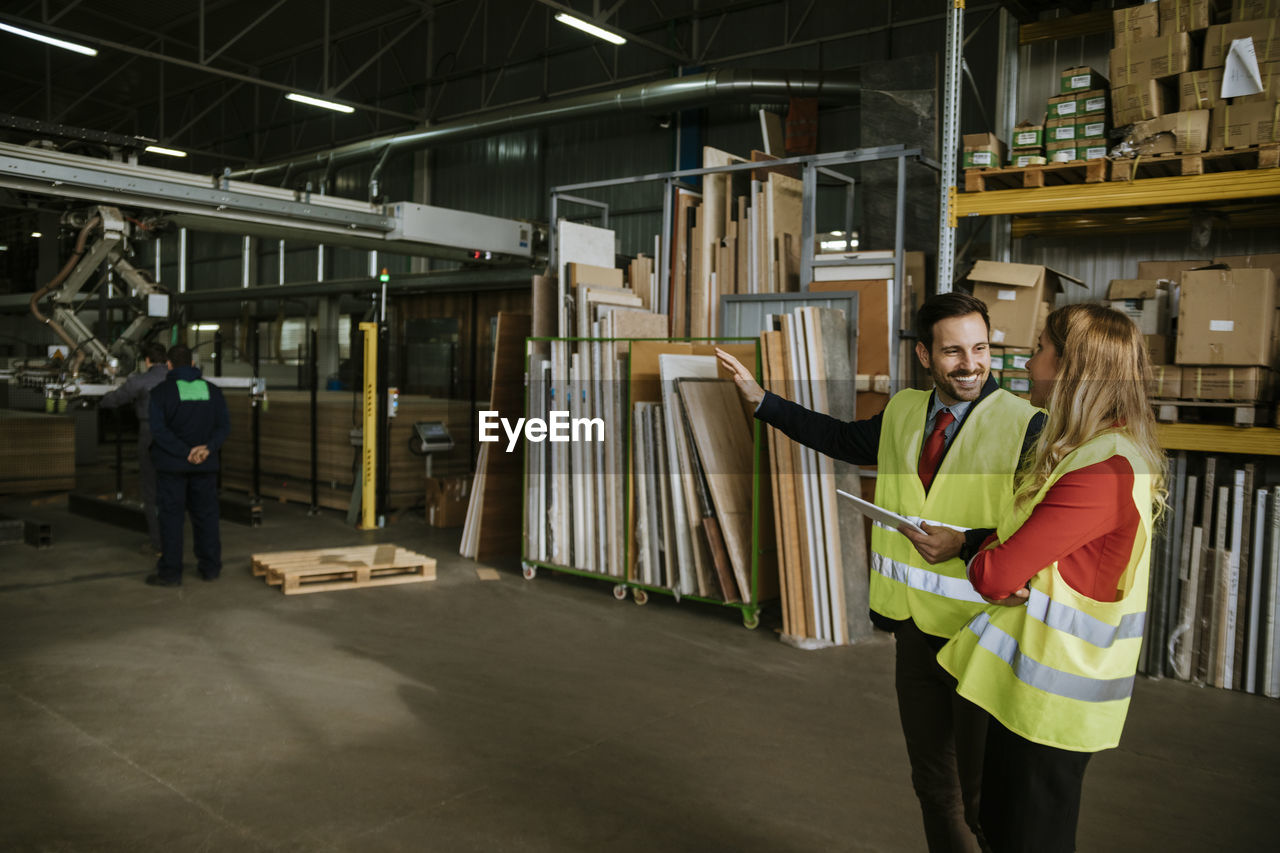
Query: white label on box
(1068, 132)
(1007, 295)
(1019, 362)
(1025, 138)
(1098, 128)
(1222, 326)
(1097, 152)
(1064, 155)
(997, 336)
(997, 362)
(1020, 385)
(1066, 108)
(1080, 81)
(982, 158)
(1095, 105)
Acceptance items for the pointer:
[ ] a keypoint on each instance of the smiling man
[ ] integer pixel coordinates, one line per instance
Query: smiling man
(947, 456)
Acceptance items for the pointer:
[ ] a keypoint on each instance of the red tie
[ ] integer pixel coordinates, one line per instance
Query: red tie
(933, 447)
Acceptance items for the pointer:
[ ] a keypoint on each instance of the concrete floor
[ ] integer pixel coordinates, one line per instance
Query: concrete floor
(464, 715)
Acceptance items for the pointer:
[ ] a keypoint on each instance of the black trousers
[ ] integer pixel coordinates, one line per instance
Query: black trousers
(176, 495)
(945, 736)
(1030, 794)
(147, 489)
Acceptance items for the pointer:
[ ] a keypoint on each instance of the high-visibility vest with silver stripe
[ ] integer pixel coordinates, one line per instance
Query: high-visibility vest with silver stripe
(1059, 670)
(972, 488)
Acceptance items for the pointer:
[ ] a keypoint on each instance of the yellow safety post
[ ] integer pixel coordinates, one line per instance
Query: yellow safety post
(369, 426)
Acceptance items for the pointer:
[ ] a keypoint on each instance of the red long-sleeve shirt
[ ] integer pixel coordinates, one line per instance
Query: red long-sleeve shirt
(1086, 523)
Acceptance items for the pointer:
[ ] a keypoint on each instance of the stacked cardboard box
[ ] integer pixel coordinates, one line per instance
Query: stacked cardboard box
(1018, 297)
(1076, 126)
(1027, 148)
(982, 151)
(1248, 119)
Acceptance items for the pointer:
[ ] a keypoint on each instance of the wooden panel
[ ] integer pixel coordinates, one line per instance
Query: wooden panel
(873, 335)
(499, 528)
(37, 452)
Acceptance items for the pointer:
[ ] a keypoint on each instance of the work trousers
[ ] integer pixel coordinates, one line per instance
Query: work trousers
(945, 736)
(176, 495)
(1030, 794)
(147, 489)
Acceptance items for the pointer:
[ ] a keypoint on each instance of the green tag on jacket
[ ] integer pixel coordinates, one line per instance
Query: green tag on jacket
(192, 390)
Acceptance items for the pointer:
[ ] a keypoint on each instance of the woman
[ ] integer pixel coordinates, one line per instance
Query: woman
(1054, 666)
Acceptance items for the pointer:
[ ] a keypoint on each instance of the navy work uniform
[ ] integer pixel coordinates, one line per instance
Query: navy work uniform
(186, 412)
(136, 391)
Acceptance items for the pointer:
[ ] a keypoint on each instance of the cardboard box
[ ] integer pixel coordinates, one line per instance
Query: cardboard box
(1020, 159)
(1163, 56)
(1243, 384)
(1061, 152)
(1270, 84)
(1014, 294)
(1159, 349)
(1265, 34)
(1028, 135)
(1136, 23)
(982, 150)
(1017, 381)
(447, 499)
(1166, 382)
(1186, 15)
(1227, 318)
(1145, 99)
(1176, 133)
(1145, 301)
(1094, 102)
(1092, 150)
(1082, 78)
(1251, 262)
(1063, 106)
(1061, 130)
(1092, 127)
(1170, 271)
(1015, 358)
(1200, 90)
(1238, 126)
(1252, 10)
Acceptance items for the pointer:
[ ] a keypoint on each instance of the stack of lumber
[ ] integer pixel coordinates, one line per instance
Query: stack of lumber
(285, 438)
(492, 528)
(693, 488)
(822, 544)
(327, 569)
(37, 452)
(1215, 579)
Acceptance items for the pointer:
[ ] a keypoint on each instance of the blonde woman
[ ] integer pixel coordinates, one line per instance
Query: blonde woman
(1053, 658)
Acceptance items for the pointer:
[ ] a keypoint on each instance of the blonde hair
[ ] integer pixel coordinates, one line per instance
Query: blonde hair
(1103, 375)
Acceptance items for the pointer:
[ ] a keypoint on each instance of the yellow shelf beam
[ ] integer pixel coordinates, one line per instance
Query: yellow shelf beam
(1186, 189)
(1213, 438)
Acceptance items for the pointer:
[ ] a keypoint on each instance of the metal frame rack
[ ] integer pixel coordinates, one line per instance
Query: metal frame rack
(810, 168)
(750, 610)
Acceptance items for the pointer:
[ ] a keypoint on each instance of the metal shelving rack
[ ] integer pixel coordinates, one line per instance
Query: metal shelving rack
(750, 610)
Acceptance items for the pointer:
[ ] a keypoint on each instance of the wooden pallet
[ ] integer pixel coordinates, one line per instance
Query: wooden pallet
(1207, 162)
(1241, 413)
(1027, 177)
(324, 569)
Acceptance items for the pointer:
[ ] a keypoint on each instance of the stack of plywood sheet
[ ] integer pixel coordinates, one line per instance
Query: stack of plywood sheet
(37, 452)
(492, 527)
(285, 442)
(821, 540)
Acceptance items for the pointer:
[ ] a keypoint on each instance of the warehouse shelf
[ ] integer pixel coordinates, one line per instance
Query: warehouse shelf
(1183, 189)
(1216, 438)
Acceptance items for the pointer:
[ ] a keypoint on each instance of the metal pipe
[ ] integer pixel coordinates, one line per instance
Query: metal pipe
(315, 443)
(465, 280)
(56, 282)
(732, 84)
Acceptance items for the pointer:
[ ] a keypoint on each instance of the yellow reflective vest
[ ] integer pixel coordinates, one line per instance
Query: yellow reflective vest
(972, 488)
(1059, 670)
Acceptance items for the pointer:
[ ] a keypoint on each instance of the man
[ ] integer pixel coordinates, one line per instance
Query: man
(189, 423)
(946, 456)
(137, 390)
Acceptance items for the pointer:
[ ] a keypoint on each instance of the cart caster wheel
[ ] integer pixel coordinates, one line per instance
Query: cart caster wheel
(751, 621)
(620, 592)
(640, 596)
(530, 572)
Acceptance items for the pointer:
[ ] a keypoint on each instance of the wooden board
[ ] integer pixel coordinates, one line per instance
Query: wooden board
(327, 569)
(1027, 177)
(578, 244)
(874, 355)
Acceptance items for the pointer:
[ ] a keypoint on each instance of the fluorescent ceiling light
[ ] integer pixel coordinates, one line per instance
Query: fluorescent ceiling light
(206, 327)
(587, 27)
(316, 102)
(159, 149)
(36, 234)
(65, 45)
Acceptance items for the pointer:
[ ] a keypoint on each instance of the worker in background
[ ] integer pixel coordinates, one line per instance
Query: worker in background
(947, 456)
(137, 390)
(1055, 665)
(189, 423)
